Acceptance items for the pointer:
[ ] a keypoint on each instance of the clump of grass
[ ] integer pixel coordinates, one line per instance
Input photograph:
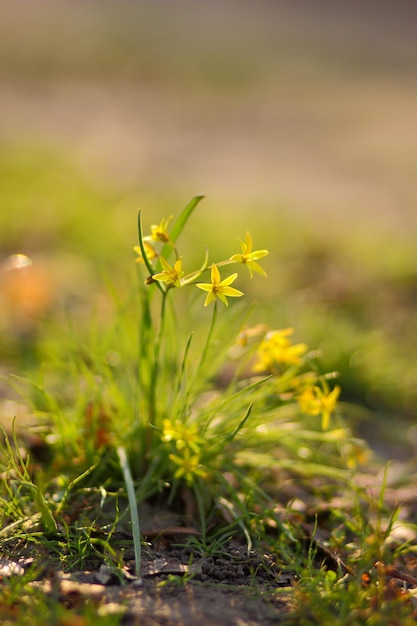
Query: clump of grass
(190, 409)
(189, 403)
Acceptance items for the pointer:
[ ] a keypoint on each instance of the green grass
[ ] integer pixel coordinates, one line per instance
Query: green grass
(134, 391)
(350, 298)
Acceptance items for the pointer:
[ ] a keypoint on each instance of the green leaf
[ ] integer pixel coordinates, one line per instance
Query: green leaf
(180, 223)
(147, 262)
(134, 517)
(241, 423)
(48, 520)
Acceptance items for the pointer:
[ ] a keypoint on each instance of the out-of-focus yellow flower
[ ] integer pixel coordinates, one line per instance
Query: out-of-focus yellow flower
(277, 349)
(159, 232)
(314, 401)
(188, 466)
(151, 253)
(250, 258)
(328, 403)
(183, 435)
(250, 332)
(308, 401)
(219, 288)
(170, 275)
(358, 455)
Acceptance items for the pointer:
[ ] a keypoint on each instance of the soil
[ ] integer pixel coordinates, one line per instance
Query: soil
(238, 588)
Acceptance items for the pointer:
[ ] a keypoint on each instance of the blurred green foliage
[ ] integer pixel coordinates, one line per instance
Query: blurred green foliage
(325, 72)
(353, 299)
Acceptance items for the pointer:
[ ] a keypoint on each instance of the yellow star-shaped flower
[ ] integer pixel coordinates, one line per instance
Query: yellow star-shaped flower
(189, 467)
(219, 288)
(151, 253)
(314, 401)
(276, 348)
(184, 435)
(159, 232)
(328, 403)
(170, 275)
(250, 258)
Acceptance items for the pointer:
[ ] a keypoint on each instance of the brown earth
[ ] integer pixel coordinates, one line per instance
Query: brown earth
(234, 590)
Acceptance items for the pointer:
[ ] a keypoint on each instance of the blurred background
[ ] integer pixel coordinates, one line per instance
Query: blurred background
(296, 120)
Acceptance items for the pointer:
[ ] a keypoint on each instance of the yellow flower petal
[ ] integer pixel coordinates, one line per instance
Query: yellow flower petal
(219, 289)
(170, 275)
(248, 257)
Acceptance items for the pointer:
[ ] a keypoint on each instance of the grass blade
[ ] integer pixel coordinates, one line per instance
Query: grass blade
(147, 262)
(183, 218)
(180, 223)
(130, 488)
(241, 423)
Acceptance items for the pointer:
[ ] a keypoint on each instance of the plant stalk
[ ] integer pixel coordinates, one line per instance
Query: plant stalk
(134, 516)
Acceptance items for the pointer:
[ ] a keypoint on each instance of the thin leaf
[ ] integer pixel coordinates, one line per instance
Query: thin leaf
(73, 484)
(179, 225)
(182, 219)
(381, 498)
(147, 262)
(244, 390)
(194, 275)
(315, 469)
(48, 521)
(130, 488)
(241, 423)
(183, 366)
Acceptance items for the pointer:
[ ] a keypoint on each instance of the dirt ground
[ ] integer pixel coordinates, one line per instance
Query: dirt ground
(234, 590)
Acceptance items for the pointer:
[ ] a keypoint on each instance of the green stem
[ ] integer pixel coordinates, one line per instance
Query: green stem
(208, 341)
(147, 262)
(156, 364)
(201, 512)
(131, 496)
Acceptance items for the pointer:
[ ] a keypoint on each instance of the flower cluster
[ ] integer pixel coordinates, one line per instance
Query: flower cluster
(159, 246)
(276, 350)
(187, 445)
(276, 354)
(189, 452)
(158, 252)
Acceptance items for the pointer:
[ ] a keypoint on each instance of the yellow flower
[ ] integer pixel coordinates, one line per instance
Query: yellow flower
(151, 253)
(328, 403)
(188, 466)
(219, 289)
(248, 333)
(308, 401)
(159, 232)
(184, 435)
(170, 275)
(276, 348)
(250, 258)
(314, 401)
